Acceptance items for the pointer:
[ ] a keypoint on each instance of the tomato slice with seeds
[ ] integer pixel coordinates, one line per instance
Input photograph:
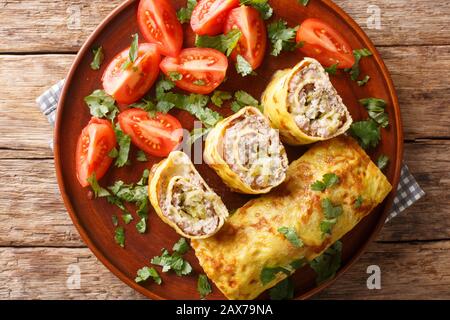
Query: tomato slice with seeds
(322, 42)
(202, 69)
(252, 44)
(157, 136)
(94, 144)
(209, 16)
(159, 24)
(128, 85)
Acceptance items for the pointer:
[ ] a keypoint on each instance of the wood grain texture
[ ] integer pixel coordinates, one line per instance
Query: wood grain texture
(63, 26)
(42, 273)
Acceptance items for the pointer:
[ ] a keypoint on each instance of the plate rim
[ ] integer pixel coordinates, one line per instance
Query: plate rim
(147, 292)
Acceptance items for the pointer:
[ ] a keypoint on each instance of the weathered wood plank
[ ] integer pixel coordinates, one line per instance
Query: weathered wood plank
(62, 26)
(424, 97)
(408, 270)
(32, 212)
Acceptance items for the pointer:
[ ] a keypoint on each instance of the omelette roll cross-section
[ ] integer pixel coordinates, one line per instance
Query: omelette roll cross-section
(303, 104)
(250, 242)
(246, 152)
(183, 200)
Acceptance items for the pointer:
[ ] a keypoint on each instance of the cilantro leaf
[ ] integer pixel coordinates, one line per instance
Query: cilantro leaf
(101, 105)
(269, 274)
(141, 156)
(132, 52)
(181, 246)
(328, 180)
(146, 273)
(243, 67)
(115, 220)
(219, 97)
(281, 36)
(99, 192)
(291, 235)
(124, 142)
(358, 54)
(203, 286)
(332, 69)
(303, 2)
(283, 290)
(382, 162)
(224, 43)
(127, 217)
(363, 81)
(262, 6)
(376, 109)
(244, 99)
(119, 236)
(331, 214)
(367, 132)
(185, 13)
(98, 58)
(359, 202)
(146, 105)
(114, 153)
(328, 263)
(196, 104)
(174, 261)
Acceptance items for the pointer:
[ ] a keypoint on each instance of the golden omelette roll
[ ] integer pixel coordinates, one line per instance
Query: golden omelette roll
(183, 200)
(246, 152)
(249, 241)
(303, 104)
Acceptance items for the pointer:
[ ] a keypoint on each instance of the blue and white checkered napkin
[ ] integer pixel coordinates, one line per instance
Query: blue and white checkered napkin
(408, 190)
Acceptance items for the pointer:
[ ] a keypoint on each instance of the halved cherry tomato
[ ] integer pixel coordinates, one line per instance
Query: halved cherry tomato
(252, 44)
(158, 23)
(209, 16)
(95, 142)
(325, 44)
(202, 69)
(132, 83)
(157, 136)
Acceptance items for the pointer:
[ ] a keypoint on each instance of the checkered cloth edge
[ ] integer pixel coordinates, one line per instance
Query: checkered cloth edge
(408, 191)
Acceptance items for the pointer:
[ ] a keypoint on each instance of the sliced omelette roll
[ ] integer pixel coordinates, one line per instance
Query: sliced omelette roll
(246, 152)
(303, 104)
(183, 200)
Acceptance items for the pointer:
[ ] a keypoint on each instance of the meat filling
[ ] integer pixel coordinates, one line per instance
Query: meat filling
(313, 101)
(253, 150)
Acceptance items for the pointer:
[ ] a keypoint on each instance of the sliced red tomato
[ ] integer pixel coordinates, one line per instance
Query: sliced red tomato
(202, 69)
(94, 144)
(325, 44)
(209, 16)
(157, 136)
(252, 44)
(128, 85)
(159, 24)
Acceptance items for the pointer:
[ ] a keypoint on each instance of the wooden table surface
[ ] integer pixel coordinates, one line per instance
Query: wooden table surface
(39, 247)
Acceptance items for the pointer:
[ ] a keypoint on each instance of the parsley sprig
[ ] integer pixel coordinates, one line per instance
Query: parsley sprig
(328, 263)
(328, 180)
(281, 37)
(174, 261)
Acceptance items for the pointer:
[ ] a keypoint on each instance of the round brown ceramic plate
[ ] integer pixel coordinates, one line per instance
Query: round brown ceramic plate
(93, 217)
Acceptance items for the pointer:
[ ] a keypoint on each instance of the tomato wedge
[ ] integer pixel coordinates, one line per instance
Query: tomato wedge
(158, 23)
(202, 69)
(324, 43)
(209, 16)
(94, 144)
(252, 44)
(157, 136)
(128, 85)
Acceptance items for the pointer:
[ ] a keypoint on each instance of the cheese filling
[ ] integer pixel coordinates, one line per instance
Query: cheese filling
(313, 101)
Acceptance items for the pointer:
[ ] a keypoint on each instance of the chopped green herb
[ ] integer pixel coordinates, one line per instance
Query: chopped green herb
(331, 213)
(363, 81)
(98, 58)
(127, 218)
(243, 67)
(181, 246)
(146, 273)
(133, 52)
(219, 97)
(99, 192)
(328, 263)
(303, 2)
(243, 99)
(382, 162)
(328, 180)
(198, 133)
(268, 274)
(124, 142)
(115, 220)
(172, 262)
(184, 14)
(359, 202)
(333, 69)
(376, 109)
(141, 156)
(203, 286)
(101, 105)
(284, 290)
(114, 153)
(119, 236)
(141, 226)
(262, 6)
(367, 132)
(358, 54)
(291, 235)
(281, 36)
(224, 43)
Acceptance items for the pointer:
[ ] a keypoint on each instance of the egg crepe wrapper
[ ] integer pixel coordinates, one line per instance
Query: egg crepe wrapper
(249, 241)
(278, 103)
(247, 130)
(176, 181)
